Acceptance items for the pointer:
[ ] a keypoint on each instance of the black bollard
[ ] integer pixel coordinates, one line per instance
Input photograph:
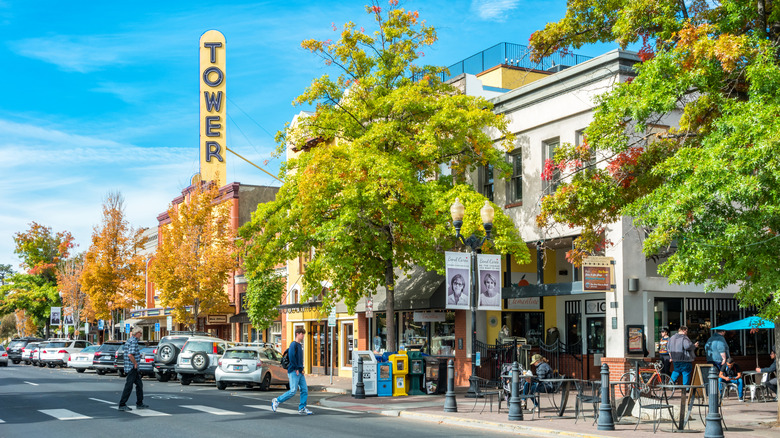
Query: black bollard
(605, 409)
(450, 405)
(713, 427)
(515, 406)
(360, 389)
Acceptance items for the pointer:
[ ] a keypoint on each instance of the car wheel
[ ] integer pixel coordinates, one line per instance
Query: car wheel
(101, 372)
(266, 385)
(80, 370)
(41, 364)
(200, 361)
(5, 364)
(186, 380)
(51, 365)
(163, 377)
(167, 353)
(221, 386)
(16, 362)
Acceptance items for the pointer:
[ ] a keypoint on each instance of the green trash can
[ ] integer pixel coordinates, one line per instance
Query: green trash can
(416, 373)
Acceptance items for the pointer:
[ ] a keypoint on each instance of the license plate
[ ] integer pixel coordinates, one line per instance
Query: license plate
(82, 358)
(185, 360)
(237, 367)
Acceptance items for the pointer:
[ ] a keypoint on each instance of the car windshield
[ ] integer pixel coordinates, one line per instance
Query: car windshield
(90, 349)
(206, 346)
(109, 347)
(148, 350)
(56, 344)
(240, 354)
(14, 344)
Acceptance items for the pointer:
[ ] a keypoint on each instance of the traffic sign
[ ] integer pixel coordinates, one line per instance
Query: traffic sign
(479, 359)
(157, 326)
(100, 324)
(127, 328)
(332, 318)
(169, 322)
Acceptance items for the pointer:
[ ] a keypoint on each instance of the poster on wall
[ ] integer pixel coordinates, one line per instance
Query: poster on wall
(598, 274)
(489, 275)
(55, 315)
(458, 265)
(635, 338)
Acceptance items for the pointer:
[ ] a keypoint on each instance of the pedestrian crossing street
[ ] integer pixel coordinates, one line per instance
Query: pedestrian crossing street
(67, 414)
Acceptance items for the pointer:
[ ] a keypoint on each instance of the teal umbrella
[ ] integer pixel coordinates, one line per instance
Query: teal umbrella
(749, 323)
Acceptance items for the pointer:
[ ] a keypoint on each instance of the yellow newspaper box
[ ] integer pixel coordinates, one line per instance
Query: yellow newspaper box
(400, 363)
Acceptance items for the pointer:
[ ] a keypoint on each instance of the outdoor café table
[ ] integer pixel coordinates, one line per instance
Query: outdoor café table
(564, 389)
(684, 389)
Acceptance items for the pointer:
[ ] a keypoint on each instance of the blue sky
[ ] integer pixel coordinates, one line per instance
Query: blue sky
(103, 96)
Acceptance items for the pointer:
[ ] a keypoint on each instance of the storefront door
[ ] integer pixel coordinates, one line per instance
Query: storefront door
(597, 335)
(319, 347)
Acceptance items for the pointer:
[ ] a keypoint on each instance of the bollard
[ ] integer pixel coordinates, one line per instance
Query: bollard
(713, 427)
(515, 408)
(450, 405)
(606, 421)
(360, 389)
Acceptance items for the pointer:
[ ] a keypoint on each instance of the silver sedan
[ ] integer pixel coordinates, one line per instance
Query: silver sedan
(251, 366)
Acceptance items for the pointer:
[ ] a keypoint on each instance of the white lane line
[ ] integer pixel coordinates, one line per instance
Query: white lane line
(30, 383)
(210, 410)
(268, 408)
(1, 421)
(103, 401)
(144, 412)
(63, 414)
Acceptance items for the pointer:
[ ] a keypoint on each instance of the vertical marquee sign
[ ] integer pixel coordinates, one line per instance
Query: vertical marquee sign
(213, 145)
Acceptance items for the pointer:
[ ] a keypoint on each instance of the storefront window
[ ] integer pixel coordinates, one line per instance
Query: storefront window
(728, 311)
(379, 343)
(348, 344)
(699, 321)
(414, 335)
(528, 325)
(443, 336)
(667, 312)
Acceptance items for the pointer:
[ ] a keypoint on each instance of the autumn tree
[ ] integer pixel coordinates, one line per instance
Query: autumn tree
(367, 192)
(112, 275)
(73, 296)
(708, 191)
(35, 290)
(196, 255)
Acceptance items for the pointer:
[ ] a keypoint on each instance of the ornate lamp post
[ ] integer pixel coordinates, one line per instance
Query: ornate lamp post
(457, 210)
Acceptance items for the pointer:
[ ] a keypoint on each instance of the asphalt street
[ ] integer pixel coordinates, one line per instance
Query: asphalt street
(62, 403)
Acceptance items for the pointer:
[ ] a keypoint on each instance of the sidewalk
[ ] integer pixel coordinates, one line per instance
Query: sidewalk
(744, 420)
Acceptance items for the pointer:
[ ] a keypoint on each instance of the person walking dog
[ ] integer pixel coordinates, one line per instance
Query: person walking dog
(295, 375)
(133, 376)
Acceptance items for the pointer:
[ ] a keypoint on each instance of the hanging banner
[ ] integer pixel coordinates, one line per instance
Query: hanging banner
(67, 316)
(458, 265)
(489, 275)
(55, 316)
(598, 274)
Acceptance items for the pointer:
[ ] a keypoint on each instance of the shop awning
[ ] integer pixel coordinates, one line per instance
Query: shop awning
(414, 289)
(543, 290)
(241, 318)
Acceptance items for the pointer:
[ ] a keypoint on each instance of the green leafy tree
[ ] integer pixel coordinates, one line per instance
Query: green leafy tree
(5, 272)
(712, 185)
(367, 192)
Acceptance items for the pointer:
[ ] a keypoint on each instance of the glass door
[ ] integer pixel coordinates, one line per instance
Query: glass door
(597, 335)
(319, 346)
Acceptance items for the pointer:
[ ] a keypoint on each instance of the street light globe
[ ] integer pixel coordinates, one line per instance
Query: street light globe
(457, 210)
(487, 212)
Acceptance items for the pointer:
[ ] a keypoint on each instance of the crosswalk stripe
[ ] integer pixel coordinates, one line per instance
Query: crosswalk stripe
(268, 408)
(102, 401)
(1, 421)
(30, 383)
(210, 410)
(64, 414)
(144, 412)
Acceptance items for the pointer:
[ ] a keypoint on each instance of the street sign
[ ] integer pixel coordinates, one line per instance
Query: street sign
(479, 359)
(332, 318)
(157, 326)
(127, 328)
(169, 322)
(86, 328)
(100, 324)
(370, 307)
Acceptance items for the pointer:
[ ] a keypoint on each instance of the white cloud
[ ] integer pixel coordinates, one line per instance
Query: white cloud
(493, 10)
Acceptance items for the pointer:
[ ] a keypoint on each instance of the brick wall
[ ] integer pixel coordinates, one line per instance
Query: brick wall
(462, 361)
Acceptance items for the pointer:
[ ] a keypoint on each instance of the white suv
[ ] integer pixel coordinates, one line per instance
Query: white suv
(58, 351)
(199, 357)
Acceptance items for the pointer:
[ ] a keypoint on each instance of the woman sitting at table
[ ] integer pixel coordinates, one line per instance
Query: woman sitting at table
(731, 373)
(543, 371)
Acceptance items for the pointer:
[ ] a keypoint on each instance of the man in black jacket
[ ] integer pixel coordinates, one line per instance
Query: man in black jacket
(295, 374)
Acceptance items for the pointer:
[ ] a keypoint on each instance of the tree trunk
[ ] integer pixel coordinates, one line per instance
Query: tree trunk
(390, 305)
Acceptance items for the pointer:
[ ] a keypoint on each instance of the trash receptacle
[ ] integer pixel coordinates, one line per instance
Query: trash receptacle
(369, 371)
(416, 373)
(384, 383)
(400, 363)
(431, 375)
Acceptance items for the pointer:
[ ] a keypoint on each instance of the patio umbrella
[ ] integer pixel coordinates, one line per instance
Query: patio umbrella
(752, 323)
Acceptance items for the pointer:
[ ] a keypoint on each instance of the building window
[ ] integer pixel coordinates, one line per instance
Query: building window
(574, 324)
(549, 154)
(348, 343)
(241, 303)
(443, 336)
(487, 182)
(529, 325)
(515, 192)
(579, 138)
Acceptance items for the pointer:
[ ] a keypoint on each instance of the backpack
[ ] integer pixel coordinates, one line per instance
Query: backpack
(285, 362)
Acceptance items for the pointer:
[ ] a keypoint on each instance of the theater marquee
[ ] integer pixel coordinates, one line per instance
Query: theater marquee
(213, 142)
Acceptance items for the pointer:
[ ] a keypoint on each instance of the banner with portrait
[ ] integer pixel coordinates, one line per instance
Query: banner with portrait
(55, 317)
(489, 277)
(67, 316)
(458, 265)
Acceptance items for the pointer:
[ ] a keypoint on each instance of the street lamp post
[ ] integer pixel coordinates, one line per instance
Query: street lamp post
(457, 210)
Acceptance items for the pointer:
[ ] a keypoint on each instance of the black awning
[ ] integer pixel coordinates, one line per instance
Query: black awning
(240, 318)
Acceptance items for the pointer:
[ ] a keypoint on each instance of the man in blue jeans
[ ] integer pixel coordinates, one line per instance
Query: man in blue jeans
(295, 374)
(681, 353)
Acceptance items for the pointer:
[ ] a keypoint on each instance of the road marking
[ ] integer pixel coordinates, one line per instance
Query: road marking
(31, 383)
(103, 401)
(1, 421)
(144, 412)
(210, 410)
(63, 414)
(268, 408)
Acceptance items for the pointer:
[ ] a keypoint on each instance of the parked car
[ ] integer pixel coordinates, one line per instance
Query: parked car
(16, 345)
(199, 357)
(168, 353)
(3, 356)
(82, 360)
(37, 353)
(251, 366)
(119, 357)
(57, 351)
(146, 364)
(27, 352)
(103, 360)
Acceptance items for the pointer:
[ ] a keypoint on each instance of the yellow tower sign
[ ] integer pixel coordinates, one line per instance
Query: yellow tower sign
(213, 141)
